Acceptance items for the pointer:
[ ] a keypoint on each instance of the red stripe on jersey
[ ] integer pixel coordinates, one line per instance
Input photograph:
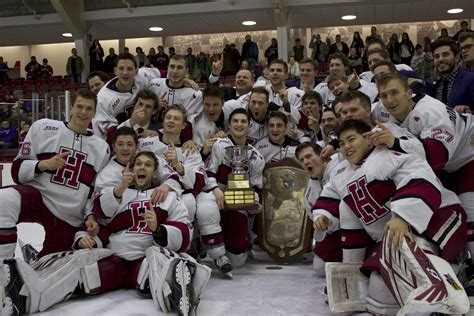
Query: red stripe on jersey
(110, 135)
(97, 208)
(184, 233)
(328, 204)
(223, 174)
(303, 123)
(421, 189)
(16, 170)
(437, 154)
(186, 133)
(198, 183)
(124, 220)
(8, 236)
(213, 240)
(355, 238)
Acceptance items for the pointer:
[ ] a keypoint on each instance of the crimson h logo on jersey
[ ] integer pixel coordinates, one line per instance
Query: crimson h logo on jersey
(69, 174)
(368, 208)
(137, 209)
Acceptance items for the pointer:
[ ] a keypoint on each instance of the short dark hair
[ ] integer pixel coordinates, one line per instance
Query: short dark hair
(179, 57)
(281, 62)
(102, 75)
(387, 63)
(445, 41)
(261, 90)
(239, 111)
(359, 126)
(127, 56)
(146, 94)
(312, 95)
(381, 52)
(177, 107)
(148, 154)
(316, 148)
(328, 109)
(356, 95)
(373, 40)
(384, 80)
(85, 94)
(333, 78)
(124, 131)
(278, 114)
(464, 36)
(341, 57)
(213, 91)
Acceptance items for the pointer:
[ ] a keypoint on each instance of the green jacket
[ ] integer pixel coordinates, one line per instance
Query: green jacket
(79, 65)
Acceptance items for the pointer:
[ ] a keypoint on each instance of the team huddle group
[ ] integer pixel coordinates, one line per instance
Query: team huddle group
(134, 181)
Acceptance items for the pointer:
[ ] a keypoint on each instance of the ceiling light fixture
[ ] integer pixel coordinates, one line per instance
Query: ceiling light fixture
(156, 29)
(348, 17)
(248, 23)
(67, 34)
(455, 11)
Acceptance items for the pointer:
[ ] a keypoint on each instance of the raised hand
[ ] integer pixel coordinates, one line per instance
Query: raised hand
(150, 217)
(380, 135)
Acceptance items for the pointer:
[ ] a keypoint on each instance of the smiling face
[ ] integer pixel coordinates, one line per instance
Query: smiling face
(243, 81)
(144, 169)
(212, 106)
(126, 72)
(239, 125)
(124, 148)
(307, 72)
(95, 84)
(311, 162)
(329, 122)
(177, 71)
(173, 122)
(336, 67)
(354, 147)
(396, 99)
(276, 130)
(444, 60)
(277, 74)
(338, 87)
(82, 112)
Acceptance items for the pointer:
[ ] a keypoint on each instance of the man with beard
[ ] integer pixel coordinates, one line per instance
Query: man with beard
(454, 88)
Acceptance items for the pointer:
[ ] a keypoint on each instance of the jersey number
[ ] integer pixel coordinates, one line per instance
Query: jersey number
(368, 208)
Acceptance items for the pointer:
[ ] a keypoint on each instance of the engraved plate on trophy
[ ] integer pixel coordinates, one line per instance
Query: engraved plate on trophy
(239, 194)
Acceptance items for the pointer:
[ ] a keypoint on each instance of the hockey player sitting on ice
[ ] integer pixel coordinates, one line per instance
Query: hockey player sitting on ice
(234, 233)
(146, 240)
(393, 200)
(328, 247)
(54, 172)
(276, 146)
(125, 145)
(445, 135)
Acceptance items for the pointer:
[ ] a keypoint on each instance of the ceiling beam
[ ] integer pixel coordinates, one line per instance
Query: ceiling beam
(70, 12)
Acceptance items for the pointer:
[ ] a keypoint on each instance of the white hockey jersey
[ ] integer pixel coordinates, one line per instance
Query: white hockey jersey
(369, 75)
(272, 152)
(380, 113)
(66, 190)
(194, 176)
(189, 98)
(366, 195)
(366, 87)
(218, 165)
(145, 75)
(113, 108)
(445, 134)
(202, 125)
(128, 232)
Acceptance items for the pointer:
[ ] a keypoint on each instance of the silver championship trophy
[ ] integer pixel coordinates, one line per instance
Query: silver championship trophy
(239, 194)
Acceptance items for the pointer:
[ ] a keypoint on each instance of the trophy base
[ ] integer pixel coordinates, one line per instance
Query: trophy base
(238, 207)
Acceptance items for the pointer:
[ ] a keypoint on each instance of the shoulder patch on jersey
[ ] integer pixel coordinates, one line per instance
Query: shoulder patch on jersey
(147, 143)
(50, 128)
(340, 170)
(262, 146)
(116, 102)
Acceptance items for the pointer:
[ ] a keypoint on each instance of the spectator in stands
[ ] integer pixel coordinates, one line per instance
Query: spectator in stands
(444, 33)
(75, 66)
(293, 68)
(32, 72)
(245, 65)
(126, 50)
(339, 46)
(230, 61)
(406, 49)
(3, 70)
(110, 61)
(418, 57)
(299, 51)
(454, 88)
(466, 43)
(464, 28)
(250, 52)
(271, 52)
(96, 80)
(393, 48)
(25, 127)
(45, 71)
(96, 53)
(203, 68)
(358, 44)
(354, 60)
(427, 44)
(162, 60)
(32, 61)
(140, 57)
(426, 67)
(190, 59)
(7, 135)
(320, 51)
(171, 52)
(373, 34)
(151, 55)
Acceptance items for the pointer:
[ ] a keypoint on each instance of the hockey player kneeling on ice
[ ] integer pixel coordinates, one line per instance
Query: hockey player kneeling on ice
(392, 200)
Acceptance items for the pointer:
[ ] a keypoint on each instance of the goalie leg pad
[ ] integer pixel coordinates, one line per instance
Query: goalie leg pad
(421, 283)
(176, 280)
(53, 278)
